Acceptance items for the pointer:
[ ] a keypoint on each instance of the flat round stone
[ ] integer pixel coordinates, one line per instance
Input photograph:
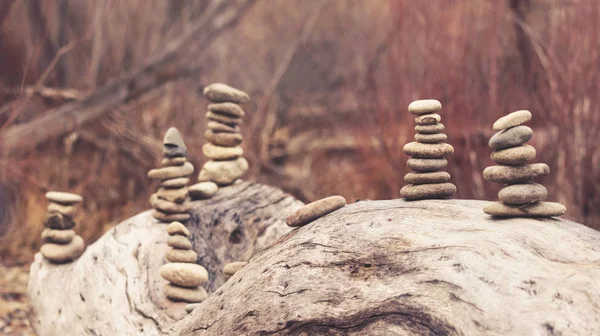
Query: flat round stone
(221, 153)
(227, 108)
(169, 217)
(218, 127)
(223, 172)
(232, 268)
(515, 174)
(427, 191)
(523, 193)
(63, 198)
(514, 156)
(63, 253)
(424, 106)
(538, 209)
(225, 119)
(223, 139)
(314, 210)
(426, 165)
(166, 173)
(511, 137)
(169, 207)
(428, 119)
(175, 183)
(422, 178)
(429, 129)
(173, 161)
(178, 195)
(512, 119)
(427, 151)
(190, 307)
(184, 256)
(180, 294)
(58, 221)
(58, 236)
(67, 210)
(431, 138)
(203, 190)
(177, 229)
(220, 93)
(179, 242)
(184, 274)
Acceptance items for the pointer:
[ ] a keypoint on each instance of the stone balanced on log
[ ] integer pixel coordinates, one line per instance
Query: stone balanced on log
(223, 118)
(521, 197)
(61, 245)
(170, 201)
(185, 277)
(315, 210)
(428, 155)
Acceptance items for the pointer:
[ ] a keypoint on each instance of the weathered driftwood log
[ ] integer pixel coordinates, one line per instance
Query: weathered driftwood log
(420, 268)
(115, 288)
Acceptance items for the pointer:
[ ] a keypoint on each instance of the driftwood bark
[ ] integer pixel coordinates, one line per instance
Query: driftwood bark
(419, 268)
(115, 288)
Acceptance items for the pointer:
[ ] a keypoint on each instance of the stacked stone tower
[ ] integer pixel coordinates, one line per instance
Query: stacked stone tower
(184, 275)
(170, 201)
(428, 155)
(223, 118)
(520, 197)
(62, 245)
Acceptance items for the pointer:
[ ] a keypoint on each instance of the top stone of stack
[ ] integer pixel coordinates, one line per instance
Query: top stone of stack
(63, 198)
(222, 93)
(173, 145)
(424, 106)
(511, 120)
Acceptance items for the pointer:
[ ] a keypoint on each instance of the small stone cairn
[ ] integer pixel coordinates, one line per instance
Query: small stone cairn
(520, 197)
(62, 245)
(428, 155)
(315, 210)
(184, 275)
(170, 201)
(223, 118)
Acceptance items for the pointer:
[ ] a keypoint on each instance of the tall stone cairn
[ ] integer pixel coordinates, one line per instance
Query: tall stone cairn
(223, 119)
(185, 277)
(61, 244)
(428, 155)
(170, 202)
(520, 197)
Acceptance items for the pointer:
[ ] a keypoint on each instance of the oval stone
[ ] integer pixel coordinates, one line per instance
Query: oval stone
(427, 151)
(230, 109)
(190, 307)
(512, 119)
(422, 178)
(181, 294)
(169, 217)
(511, 137)
(225, 119)
(426, 165)
(427, 191)
(428, 119)
(424, 106)
(221, 153)
(175, 183)
(63, 253)
(173, 161)
(218, 127)
(58, 221)
(431, 138)
(168, 207)
(203, 190)
(223, 139)
(184, 274)
(514, 156)
(64, 198)
(232, 268)
(58, 236)
(538, 209)
(165, 173)
(183, 256)
(176, 195)
(314, 210)
(179, 242)
(524, 193)
(220, 93)
(429, 129)
(223, 172)
(67, 210)
(515, 174)
(176, 228)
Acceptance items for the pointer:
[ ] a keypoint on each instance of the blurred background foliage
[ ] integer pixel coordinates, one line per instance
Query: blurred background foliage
(87, 89)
